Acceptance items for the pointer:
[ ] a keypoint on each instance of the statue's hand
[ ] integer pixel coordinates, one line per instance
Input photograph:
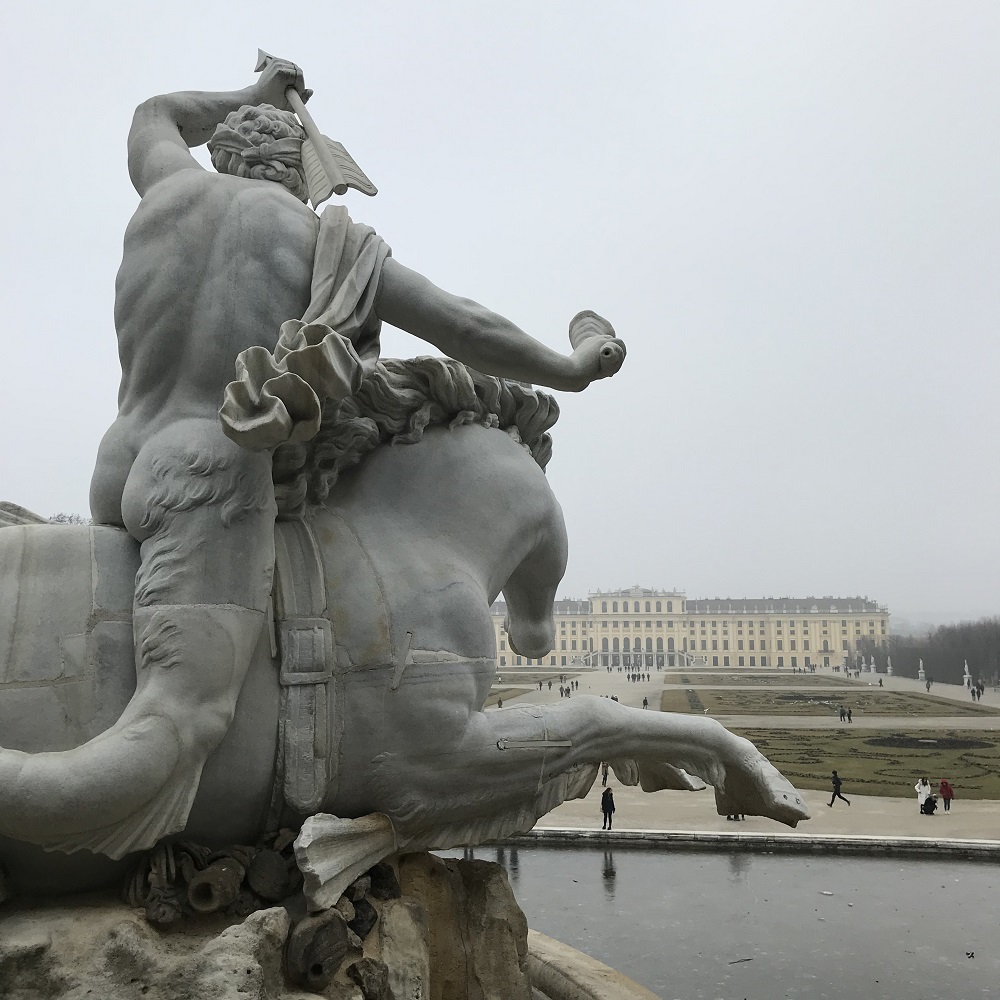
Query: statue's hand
(278, 75)
(597, 353)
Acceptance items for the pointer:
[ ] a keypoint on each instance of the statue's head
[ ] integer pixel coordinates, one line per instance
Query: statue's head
(262, 143)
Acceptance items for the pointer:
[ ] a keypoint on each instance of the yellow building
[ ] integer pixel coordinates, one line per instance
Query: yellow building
(643, 629)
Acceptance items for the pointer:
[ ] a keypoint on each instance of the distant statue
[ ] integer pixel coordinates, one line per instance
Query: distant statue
(920, 672)
(888, 666)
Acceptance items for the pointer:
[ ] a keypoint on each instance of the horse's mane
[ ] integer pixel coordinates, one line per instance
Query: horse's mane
(396, 403)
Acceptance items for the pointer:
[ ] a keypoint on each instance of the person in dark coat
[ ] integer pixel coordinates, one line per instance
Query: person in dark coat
(835, 779)
(607, 807)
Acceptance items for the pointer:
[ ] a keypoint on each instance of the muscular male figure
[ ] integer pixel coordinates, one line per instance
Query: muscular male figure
(213, 265)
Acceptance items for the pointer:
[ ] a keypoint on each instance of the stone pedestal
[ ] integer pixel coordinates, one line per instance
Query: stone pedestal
(414, 928)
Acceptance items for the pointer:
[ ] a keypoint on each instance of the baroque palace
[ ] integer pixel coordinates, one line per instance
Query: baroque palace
(642, 628)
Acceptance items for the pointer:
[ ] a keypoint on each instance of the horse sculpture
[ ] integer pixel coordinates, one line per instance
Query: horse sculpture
(422, 498)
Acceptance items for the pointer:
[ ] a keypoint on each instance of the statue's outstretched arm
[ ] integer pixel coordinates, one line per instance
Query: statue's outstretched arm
(484, 340)
(165, 127)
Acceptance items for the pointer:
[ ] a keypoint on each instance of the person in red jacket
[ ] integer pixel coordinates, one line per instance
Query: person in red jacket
(947, 793)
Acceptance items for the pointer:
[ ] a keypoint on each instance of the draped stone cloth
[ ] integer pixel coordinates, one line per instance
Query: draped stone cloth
(278, 397)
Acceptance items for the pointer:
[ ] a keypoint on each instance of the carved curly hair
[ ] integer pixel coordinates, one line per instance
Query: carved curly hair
(263, 143)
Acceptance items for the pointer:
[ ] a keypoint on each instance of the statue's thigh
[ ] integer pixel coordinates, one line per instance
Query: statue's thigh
(203, 510)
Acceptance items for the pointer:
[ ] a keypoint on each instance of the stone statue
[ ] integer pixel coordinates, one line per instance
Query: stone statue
(214, 264)
(338, 660)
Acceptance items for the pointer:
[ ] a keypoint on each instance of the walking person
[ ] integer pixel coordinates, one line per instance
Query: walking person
(843, 714)
(850, 715)
(835, 780)
(604, 773)
(923, 789)
(607, 807)
(947, 793)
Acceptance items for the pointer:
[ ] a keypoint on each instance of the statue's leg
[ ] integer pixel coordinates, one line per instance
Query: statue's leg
(203, 511)
(516, 762)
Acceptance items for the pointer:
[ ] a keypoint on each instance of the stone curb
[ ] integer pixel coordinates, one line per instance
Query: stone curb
(765, 842)
(560, 972)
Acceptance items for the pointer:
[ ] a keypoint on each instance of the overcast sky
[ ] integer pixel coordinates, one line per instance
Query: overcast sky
(790, 212)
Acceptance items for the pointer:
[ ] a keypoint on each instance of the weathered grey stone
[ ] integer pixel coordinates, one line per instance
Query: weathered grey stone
(365, 918)
(359, 888)
(405, 949)
(346, 908)
(315, 950)
(107, 950)
(384, 885)
(477, 932)
(372, 976)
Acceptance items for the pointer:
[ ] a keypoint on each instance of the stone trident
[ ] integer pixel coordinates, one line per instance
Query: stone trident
(327, 166)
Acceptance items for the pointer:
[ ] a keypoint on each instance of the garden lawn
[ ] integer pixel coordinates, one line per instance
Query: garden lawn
(869, 701)
(887, 764)
(783, 678)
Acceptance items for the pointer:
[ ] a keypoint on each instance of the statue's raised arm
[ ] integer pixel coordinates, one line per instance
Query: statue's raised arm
(164, 128)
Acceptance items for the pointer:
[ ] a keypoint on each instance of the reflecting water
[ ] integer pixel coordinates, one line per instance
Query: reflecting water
(703, 926)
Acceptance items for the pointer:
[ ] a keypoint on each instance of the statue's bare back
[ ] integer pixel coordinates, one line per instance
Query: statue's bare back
(212, 265)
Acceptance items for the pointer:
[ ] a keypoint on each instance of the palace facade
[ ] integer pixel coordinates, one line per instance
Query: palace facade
(643, 628)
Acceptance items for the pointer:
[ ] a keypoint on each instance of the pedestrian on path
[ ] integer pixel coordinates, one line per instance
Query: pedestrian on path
(607, 807)
(843, 713)
(835, 780)
(604, 773)
(947, 793)
(645, 703)
(923, 789)
(850, 715)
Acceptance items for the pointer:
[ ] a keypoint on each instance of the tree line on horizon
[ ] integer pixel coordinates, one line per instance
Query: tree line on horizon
(945, 651)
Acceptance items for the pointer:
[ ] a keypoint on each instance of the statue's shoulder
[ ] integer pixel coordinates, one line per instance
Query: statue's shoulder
(204, 194)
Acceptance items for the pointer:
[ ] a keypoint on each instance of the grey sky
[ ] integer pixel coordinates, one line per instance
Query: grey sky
(789, 211)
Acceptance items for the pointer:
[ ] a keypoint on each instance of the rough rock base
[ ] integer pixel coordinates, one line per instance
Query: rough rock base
(446, 930)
